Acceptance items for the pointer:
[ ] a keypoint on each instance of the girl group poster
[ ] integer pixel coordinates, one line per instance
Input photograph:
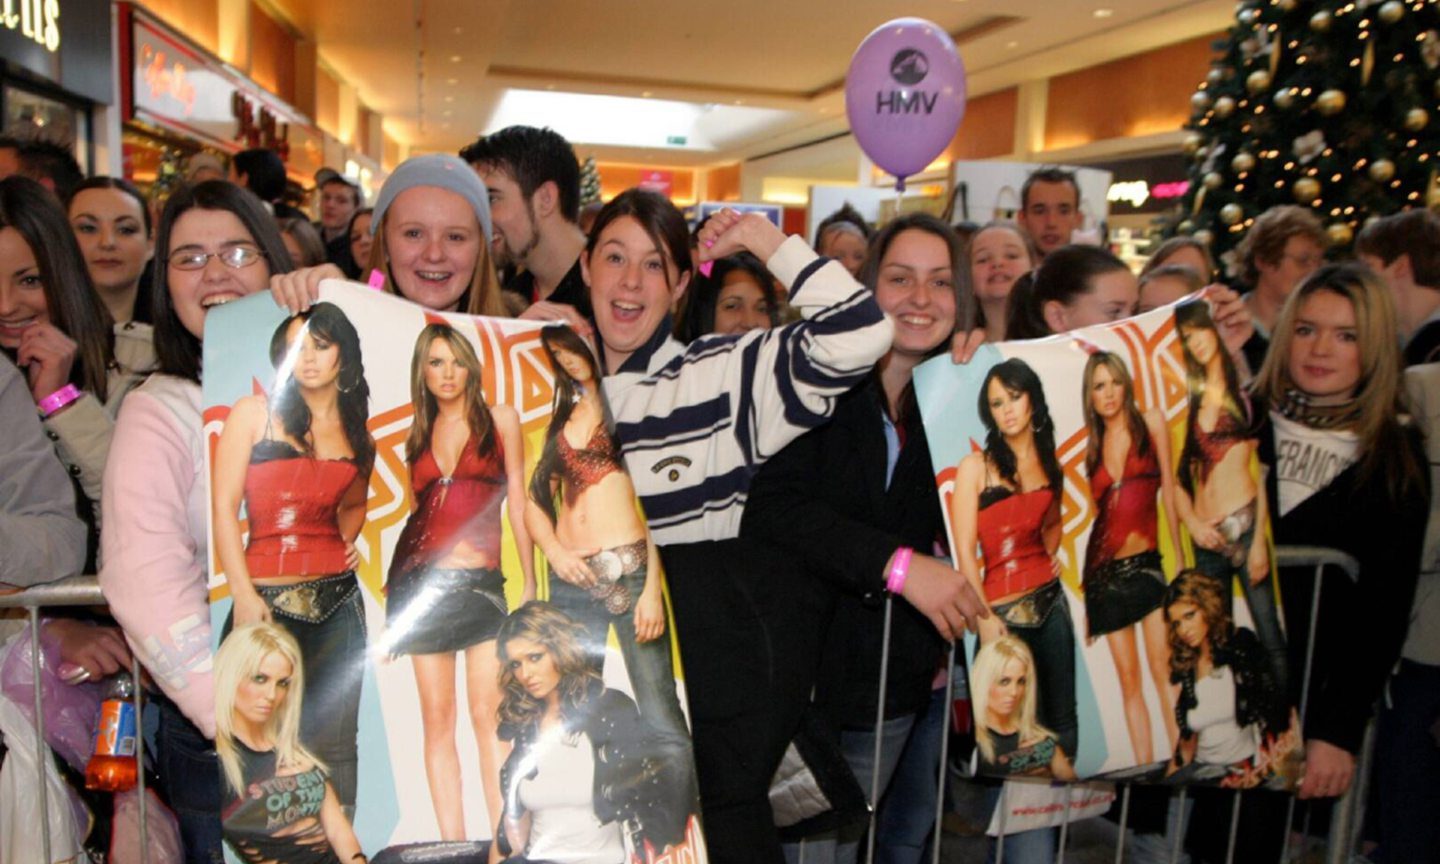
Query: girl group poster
(1103, 495)
(439, 615)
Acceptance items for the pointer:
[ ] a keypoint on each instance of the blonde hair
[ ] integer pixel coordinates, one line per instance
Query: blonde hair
(481, 298)
(239, 657)
(1379, 411)
(990, 661)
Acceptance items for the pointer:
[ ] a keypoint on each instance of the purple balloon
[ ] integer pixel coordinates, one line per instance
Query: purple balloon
(905, 95)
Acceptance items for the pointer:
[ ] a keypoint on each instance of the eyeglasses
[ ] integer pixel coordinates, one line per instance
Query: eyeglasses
(235, 258)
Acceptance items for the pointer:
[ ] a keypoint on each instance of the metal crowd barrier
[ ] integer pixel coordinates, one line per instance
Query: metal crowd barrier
(1347, 814)
(72, 591)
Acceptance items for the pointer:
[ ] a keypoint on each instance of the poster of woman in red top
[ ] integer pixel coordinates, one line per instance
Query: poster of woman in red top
(447, 472)
(1073, 470)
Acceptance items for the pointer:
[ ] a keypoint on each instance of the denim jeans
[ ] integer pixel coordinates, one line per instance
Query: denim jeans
(333, 652)
(1036, 846)
(648, 664)
(1053, 645)
(1261, 599)
(190, 782)
(1407, 765)
(905, 826)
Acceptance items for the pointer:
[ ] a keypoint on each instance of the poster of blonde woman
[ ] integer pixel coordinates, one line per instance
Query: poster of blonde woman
(441, 612)
(1104, 496)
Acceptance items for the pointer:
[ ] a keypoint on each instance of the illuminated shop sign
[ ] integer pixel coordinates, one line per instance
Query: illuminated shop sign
(1137, 192)
(35, 19)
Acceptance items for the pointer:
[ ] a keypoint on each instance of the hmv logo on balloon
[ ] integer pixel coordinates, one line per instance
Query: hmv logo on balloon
(908, 67)
(905, 95)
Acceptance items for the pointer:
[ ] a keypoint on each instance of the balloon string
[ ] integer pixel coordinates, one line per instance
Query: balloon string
(900, 185)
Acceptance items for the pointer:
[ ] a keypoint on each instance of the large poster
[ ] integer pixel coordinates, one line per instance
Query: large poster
(438, 610)
(1103, 493)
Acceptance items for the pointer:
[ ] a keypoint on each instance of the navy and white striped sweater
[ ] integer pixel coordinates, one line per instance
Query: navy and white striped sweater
(695, 423)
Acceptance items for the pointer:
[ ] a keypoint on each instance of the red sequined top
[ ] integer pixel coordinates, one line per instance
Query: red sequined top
(587, 466)
(1123, 507)
(292, 501)
(1011, 530)
(464, 506)
(1214, 444)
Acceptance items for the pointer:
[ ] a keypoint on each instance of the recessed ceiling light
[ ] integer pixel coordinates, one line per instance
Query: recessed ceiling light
(1104, 13)
(739, 101)
(1012, 44)
(549, 86)
(455, 58)
(444, 125)
(646, 93)
(448, 113)
(449, 98)
(452, 81)
(458, 31)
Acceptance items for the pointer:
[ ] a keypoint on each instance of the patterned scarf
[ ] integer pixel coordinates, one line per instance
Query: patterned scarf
(1299, 407)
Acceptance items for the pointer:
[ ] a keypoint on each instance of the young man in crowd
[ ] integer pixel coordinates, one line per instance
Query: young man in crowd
(263, 172)
(1286, 244)
(339, 199)
(1404, 249)
(534, 183)
(1050, 208)
(52, 165)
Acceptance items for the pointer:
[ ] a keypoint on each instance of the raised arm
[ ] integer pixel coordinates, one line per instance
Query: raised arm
(507, 424)
(232, 461)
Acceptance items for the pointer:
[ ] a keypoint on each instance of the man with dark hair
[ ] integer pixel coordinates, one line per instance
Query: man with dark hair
(9, 156)
(52, 165)
(339, 199)
(534, 183)
(1285, 245)
(1404, 248)
(262, 172)
(1050, 208)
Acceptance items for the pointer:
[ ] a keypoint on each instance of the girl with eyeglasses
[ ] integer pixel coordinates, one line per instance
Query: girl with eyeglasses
(53, 325)
(216, 243)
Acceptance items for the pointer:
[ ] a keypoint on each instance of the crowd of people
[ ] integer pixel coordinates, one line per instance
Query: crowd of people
(775, 382)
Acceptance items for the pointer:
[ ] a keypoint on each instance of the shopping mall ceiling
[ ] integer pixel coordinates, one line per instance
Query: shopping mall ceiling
(733, 79)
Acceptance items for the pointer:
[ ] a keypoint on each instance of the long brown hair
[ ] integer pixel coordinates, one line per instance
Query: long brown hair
(1095, 424)
(1205, 594)
(540, 622)
(70, 299)
(567, 395)
(1380, 411)
(481, 298)
(477, 413)
(1195, 315)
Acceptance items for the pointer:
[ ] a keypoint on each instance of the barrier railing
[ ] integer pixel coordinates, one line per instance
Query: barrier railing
(72, 591)
(1347, 814)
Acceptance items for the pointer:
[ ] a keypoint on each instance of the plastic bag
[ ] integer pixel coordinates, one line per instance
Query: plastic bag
(21, 840)
(70, 709)
(162, 830)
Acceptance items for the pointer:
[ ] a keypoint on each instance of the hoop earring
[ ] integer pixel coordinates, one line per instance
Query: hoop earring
(1036, 426)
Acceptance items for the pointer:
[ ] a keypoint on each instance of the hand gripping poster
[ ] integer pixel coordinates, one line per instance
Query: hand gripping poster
(441, 621)
(1104, 496)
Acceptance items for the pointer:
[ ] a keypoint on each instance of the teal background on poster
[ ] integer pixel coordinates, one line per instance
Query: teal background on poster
(948, 395)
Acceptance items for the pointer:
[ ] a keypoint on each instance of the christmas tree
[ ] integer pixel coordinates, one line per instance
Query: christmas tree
(589, 182)
(1332, 105)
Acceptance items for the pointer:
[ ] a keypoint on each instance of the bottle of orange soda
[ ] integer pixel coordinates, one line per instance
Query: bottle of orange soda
(112, 768)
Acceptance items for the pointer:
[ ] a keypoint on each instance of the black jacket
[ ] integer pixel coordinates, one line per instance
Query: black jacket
(1256, 699)
(1361, 625)
(633, 778)
(823, 500)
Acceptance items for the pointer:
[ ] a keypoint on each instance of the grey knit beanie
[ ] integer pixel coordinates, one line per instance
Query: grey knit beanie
(435, 169)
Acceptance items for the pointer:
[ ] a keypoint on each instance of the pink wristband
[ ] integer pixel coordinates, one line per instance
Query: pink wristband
(899, 569)
(57, 400)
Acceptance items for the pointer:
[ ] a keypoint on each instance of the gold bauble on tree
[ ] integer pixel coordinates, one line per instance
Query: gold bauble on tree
(1340, 234)
(1248, 16)
(1306, 190)
(1213, 180)
(1320, 22)
(1258, 81)
(1392, 11)
(1284, 98)
(1242, 162)
(1215, 76)
(1204, 236)
(1185, 227)
(1192, 143)
(1381, 170)
(1287, 5)
(1230, 214)
(1416, 118)
(1330, 102)
(1201, 101)
(1224, 107)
